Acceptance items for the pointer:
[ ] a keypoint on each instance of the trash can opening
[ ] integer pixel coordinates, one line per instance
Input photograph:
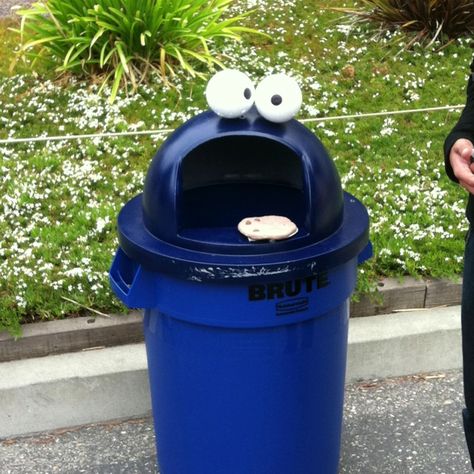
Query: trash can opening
(229, 178)
(212, 172)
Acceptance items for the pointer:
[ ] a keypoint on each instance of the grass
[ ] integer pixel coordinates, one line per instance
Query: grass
(60, 200)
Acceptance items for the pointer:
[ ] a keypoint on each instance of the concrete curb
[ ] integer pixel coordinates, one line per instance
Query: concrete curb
(73, 389)
(404, 343)
(41, 394)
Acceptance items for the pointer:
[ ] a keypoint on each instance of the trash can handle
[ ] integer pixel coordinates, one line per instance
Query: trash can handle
(365, 254)
(132, 284)
(121, 287)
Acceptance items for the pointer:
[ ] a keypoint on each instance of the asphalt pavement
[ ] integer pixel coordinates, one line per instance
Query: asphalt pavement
(6, 6)
(397, 426)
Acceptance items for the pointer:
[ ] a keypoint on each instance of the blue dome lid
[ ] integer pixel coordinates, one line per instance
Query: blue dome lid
(212, 172)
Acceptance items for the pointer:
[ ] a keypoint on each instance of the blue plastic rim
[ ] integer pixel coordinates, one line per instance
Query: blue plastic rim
(245, 303)
(350, 240)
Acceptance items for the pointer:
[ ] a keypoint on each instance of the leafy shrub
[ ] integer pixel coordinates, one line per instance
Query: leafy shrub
(429, 20)
(122, 41)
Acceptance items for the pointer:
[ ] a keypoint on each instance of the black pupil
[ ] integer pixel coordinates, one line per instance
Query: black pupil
(276, 99)
(247, 93)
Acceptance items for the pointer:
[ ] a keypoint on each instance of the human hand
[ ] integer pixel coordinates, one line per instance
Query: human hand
(460, 159)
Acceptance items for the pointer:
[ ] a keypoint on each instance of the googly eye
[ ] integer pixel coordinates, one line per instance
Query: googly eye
(230, 93)
(278, 98)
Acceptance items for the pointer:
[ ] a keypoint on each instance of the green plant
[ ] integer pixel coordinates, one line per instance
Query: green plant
(124, 40)
(429, 20)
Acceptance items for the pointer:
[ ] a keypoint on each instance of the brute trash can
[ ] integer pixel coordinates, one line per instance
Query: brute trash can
(246, 342)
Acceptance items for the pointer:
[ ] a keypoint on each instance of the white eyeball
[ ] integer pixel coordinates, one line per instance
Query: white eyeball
(278, 98)
(230, 93)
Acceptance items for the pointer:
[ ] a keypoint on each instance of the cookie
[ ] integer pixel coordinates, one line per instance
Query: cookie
(267, 228)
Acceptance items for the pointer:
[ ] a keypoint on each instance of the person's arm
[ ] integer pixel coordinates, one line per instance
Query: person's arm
(459, 143)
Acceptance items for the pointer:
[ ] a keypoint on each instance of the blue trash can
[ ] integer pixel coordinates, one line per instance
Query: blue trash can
(246, 341)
